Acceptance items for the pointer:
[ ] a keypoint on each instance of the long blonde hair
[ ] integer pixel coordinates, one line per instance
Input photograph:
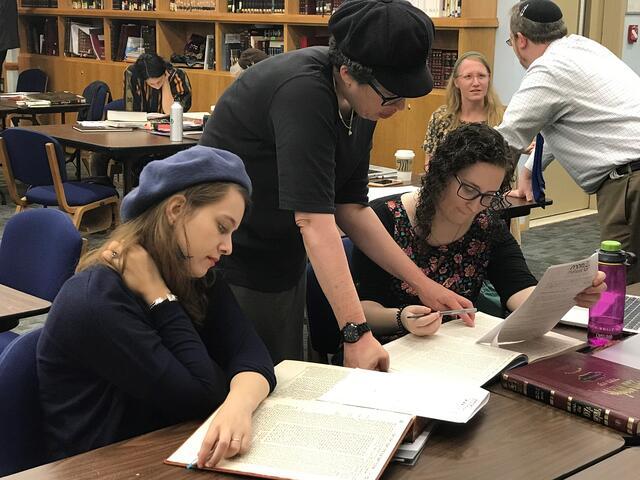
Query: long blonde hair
(492, 103)
(157, 236)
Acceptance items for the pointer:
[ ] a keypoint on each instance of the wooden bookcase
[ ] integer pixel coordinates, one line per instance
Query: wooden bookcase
(475, 30)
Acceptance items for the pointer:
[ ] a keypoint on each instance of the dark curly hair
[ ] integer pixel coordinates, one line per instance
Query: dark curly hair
(150, 65)
(465, 146)
(359, 72)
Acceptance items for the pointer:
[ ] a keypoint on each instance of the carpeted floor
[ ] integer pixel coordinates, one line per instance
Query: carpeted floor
(543, 246)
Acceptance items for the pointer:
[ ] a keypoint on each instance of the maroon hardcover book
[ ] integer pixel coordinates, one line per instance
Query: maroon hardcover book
(605, 392)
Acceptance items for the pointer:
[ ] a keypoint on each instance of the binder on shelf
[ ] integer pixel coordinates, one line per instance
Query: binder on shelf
(209, 53)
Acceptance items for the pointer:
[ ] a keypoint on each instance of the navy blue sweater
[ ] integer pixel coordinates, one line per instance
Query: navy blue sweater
(109, 368)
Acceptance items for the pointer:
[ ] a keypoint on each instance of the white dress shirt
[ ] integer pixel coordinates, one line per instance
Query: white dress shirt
(586, 103)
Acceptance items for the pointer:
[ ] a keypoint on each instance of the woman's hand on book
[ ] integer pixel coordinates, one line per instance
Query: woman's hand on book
(229, 434)
(589, 296)
(427, 324)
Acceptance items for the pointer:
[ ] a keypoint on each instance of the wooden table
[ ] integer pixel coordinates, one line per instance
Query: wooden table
(127, 148)
(509, 438)
(15, 305)
(625, 464)
(8, 107)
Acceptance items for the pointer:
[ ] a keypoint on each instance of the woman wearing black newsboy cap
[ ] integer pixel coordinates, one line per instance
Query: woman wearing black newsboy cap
(303, 124)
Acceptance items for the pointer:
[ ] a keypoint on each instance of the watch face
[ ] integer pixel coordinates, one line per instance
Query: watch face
(350, 333)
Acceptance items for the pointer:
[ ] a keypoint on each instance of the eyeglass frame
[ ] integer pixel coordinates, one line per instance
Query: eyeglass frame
(509, 42)
(385, 100)
(497, 200)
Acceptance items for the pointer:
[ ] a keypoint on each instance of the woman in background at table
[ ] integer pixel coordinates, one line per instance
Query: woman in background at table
(152, 84)
(449, 230)
(145, 335)
(470, 97)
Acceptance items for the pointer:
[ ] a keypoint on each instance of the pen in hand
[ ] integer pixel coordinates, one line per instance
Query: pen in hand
(446, 312)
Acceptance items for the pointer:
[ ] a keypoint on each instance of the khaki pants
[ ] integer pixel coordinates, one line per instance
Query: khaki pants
(619, 216)
(278, 317)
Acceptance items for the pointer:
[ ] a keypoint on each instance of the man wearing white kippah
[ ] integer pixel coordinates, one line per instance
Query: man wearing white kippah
(586, 103)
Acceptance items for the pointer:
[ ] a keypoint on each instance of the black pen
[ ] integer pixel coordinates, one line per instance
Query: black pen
(446, 312)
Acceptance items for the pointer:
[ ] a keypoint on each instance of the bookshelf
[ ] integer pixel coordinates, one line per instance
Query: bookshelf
(173, 23)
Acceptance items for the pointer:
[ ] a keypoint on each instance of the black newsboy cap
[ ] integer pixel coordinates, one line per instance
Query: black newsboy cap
(392, 37)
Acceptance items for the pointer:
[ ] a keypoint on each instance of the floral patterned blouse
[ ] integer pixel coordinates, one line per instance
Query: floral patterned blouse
(486, 251)
(437, 129)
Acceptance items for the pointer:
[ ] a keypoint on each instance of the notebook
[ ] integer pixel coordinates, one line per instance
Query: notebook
(579, 316)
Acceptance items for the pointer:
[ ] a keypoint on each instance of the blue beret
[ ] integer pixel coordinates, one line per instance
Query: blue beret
(162, 178)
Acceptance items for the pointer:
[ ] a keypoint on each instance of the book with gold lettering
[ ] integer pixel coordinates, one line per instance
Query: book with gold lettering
(605, 392)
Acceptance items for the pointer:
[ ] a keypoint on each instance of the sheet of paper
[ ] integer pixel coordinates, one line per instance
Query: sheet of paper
(311, 441)
(409, 393)
(551, 299)
(445, 358)
(379, 192)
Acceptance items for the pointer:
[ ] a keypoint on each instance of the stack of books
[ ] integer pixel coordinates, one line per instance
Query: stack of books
(441, 64)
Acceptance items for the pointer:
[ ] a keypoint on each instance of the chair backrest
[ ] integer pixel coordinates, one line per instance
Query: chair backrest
(32, 80)
(117, 105)
(39, 251)
(97, 94)
(323, 329)
(21, 430)
(28, 156)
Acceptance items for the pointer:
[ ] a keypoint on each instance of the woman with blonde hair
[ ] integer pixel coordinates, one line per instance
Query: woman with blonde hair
(470, 98)
(145, 334)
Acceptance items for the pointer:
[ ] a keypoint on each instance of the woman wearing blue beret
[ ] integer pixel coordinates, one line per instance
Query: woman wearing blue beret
(145, 335)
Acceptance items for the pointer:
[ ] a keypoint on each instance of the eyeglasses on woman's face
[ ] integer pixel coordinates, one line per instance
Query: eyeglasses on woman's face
(386, 99)
(491, 200)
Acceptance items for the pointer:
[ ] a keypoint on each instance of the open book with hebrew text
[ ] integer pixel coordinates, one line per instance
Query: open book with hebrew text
(299, 435)
(455, 354)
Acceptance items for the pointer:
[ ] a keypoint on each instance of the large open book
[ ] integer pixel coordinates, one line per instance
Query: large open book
(296, 436)
(453, 354)
(353, 436)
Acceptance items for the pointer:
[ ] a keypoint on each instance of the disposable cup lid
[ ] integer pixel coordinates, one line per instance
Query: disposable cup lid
(405, 154)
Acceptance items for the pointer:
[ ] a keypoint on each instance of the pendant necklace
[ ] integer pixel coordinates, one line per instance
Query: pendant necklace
(350, 125)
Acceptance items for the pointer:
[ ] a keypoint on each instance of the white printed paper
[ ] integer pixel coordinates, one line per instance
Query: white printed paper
(550, 300)
(411, 394)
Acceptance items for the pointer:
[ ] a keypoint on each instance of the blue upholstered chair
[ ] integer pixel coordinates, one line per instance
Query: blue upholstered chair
(31, 80)
(39, 251)
(97, 95)
(21, 432)
(323, 329)
(37, 160)
(117, 105)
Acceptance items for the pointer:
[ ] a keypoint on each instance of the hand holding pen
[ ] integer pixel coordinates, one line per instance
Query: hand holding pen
(420, 321)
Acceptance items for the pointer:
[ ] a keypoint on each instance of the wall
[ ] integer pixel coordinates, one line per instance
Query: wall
(631, 51)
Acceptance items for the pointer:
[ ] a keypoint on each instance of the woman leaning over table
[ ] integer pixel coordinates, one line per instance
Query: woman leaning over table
(145, 335)
(470, 97)
(449, 230)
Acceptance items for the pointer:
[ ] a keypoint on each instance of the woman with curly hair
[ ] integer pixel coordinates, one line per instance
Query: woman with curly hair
(450, 231)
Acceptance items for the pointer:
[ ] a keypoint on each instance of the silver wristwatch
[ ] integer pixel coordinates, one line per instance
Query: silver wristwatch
(169, 297)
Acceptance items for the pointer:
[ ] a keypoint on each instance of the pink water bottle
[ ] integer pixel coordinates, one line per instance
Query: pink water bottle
(606, 317)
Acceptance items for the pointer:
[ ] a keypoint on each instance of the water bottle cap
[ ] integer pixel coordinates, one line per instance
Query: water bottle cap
(610, 246)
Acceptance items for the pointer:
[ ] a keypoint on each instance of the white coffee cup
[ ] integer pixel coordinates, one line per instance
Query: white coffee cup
(404, 164)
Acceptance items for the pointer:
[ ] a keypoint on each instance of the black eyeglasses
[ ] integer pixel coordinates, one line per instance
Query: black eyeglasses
(509, 42)
(490, 200)
(386, 100)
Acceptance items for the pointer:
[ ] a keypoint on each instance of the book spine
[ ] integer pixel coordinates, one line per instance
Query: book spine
(596, 413)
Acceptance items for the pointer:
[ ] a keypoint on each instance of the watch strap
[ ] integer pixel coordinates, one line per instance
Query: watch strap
(169, 297)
